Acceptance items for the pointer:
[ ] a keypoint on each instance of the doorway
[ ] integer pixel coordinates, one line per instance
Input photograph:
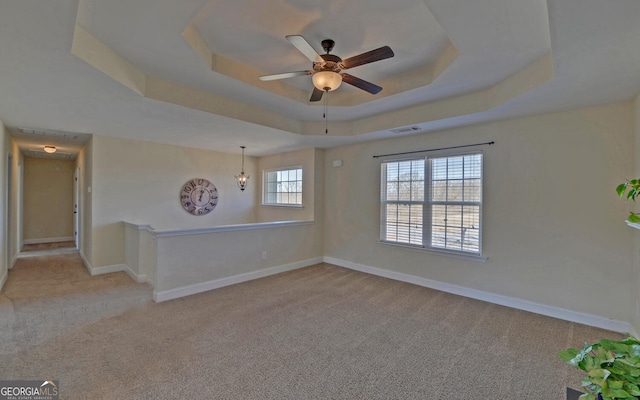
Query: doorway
(7, 227)
(50, 204)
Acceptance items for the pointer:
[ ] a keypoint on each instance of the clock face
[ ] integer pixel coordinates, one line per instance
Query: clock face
(199, 196)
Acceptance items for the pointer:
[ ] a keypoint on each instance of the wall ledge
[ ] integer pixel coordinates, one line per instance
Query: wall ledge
(229, 228)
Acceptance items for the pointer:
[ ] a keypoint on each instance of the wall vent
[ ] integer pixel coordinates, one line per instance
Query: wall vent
(41, 133)
(58, 155)
(406, 129)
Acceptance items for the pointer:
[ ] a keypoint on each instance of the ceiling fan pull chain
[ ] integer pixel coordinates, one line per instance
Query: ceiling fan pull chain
(326, 110)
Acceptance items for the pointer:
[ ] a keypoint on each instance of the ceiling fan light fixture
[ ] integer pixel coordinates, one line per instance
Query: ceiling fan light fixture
(50, 149)
(326, 80)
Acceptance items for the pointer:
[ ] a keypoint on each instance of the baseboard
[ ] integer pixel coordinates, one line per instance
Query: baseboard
(164, 295)
(107, 269)
(49, 240)
(556, 312)
(39, 253)
(86, 262)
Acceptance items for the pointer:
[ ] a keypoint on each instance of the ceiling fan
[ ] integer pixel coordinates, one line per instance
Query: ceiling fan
(327, 67)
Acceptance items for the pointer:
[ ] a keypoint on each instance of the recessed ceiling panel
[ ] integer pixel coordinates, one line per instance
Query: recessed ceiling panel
(252, 32)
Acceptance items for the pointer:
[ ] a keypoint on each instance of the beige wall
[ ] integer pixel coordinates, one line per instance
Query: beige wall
(48, 199)
(137, 181)
(4, 145)
(307, 160)
(554, 228)
(84, 165)
(16, 212)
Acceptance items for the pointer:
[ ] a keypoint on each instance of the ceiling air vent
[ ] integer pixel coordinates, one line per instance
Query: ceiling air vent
(41, 133)
(406, 129)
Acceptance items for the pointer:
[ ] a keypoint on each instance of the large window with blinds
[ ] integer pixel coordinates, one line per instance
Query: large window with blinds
(433, 203)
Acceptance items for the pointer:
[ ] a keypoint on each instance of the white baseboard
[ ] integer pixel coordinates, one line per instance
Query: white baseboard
(170, 294)
(86, 262)
(551, 311)
(49, 240)
(107, 269)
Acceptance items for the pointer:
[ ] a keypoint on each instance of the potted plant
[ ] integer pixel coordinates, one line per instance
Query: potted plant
(612, 367)
(632, 190)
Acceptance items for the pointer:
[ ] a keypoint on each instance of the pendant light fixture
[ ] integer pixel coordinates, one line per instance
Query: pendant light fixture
(242, 178)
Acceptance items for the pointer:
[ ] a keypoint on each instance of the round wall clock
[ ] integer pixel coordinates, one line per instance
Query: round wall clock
(199, 196)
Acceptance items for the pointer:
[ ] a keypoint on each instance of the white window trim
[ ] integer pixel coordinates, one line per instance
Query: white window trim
(427, 213)
(282, 205)
(436, 251)
(265, 188)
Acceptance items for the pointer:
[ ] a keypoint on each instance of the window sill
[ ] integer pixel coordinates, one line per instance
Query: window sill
(282, 205)
(446, 253)
(633, 224)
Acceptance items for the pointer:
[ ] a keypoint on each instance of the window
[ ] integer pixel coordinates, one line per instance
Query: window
(433, 203)
(283, 187)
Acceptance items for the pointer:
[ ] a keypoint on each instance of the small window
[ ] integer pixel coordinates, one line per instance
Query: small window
(283, 187)
(433, 203)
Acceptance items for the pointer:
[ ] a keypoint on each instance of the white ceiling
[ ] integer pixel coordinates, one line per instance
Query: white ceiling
(457, 62)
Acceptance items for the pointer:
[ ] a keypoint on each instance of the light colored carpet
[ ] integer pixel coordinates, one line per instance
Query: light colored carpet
(47, 297)
(321, 332)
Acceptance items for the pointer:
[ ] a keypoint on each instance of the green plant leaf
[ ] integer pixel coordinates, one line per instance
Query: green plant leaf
(632, 389)
(633, 217)
(621, 189)
(616, 393)
(571, 356)
(599, 376)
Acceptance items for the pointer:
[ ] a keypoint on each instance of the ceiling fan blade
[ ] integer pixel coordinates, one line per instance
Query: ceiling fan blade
(284, 75)
(361, 84)
(368, 57)
(305, 48)
(316, 95)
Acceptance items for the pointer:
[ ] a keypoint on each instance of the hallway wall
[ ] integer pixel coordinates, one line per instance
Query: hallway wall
(4, 264)
(48, 200)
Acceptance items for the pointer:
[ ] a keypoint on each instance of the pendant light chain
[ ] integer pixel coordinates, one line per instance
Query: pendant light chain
(242, 170)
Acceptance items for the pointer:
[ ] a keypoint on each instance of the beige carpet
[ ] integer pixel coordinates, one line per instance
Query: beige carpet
(321, 332)
(47, 297)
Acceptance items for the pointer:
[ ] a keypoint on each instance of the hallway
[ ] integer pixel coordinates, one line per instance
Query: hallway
(47, 296)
